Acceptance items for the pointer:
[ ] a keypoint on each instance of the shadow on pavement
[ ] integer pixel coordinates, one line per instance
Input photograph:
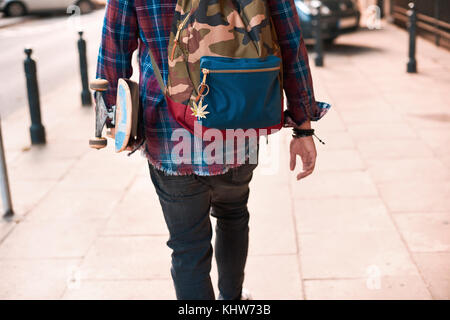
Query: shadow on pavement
(350, 49)
(439, 117)
(346, 49)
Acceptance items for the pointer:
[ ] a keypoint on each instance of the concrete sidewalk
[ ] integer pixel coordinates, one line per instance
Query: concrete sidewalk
(371, 223)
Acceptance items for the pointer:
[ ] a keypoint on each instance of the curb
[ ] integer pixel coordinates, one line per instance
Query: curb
(8, 22)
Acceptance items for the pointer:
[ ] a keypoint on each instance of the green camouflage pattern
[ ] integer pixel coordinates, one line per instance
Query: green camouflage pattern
(221, 28)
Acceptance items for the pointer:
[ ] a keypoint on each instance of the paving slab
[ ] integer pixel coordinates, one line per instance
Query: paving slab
(335, 141)
(362, 96)
(435, 269)
(445, 160)
(416, 196)
(273, 277)
(6, 226)
(16, 132)
(331, 123)
(36, 278)
(339, 160)
(425, 232)
(438, 139)
(32, 169)
(395, 148)
(50, 239)
(108, 159)
(272, 169)
(334, 184)
(26, 194)
(342, 215)
(352, 254)
(411, 102)
(115, 180)
(63, 204)
(272, 230)
(430, 118)
(374, 114)
(386, 288)
(138, 213)
(127, 258)
(55, 149)
(157, 289)
(398, 170)
(379, 131)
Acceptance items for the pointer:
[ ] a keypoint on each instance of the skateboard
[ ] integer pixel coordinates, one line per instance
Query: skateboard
(124, 116)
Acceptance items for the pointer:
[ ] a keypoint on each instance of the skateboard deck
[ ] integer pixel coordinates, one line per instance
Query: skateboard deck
(127, 113)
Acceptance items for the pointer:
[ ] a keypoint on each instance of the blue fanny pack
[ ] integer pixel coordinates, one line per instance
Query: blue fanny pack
(241, 93)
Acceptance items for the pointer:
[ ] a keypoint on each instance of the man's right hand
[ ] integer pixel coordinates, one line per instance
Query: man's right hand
(306, 150)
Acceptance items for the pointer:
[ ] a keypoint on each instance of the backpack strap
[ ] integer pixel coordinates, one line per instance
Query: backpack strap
(156, 70)
(158, 75)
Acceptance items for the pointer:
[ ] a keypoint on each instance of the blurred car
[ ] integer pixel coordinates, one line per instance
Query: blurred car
(100, 3)
(338, 17)
(16, 8)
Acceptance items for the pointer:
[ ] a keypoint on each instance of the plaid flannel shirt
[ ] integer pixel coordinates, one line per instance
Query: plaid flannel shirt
(146, 24)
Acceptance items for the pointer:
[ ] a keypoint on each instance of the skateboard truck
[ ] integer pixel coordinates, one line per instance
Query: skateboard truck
(101, 113)
(124, 116)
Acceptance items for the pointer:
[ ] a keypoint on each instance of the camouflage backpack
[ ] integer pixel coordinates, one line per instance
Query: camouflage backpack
(225, 69)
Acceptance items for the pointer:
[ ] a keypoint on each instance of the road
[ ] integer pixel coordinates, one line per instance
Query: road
(54, 43)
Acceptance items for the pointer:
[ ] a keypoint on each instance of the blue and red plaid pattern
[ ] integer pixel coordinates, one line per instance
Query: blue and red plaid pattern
(146, 24)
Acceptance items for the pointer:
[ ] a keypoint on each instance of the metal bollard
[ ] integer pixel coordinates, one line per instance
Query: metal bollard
(4, 181)
(412, 63)
(318, 46)
(86, 99)
(437, 39)
(380, 4)
(37, 130)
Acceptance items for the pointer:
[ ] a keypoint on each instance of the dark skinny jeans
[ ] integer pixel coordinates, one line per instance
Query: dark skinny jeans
(187, 201)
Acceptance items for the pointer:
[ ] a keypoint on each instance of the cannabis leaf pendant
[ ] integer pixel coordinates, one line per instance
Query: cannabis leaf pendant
(198, 110)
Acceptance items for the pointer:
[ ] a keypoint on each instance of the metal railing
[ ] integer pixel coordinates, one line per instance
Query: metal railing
(434, 26)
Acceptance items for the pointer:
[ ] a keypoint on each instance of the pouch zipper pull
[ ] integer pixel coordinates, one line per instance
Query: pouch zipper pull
(202, 85)
(205, 74)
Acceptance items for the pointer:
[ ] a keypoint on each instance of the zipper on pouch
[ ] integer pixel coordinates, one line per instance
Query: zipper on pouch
(205, 72)
(177, 36)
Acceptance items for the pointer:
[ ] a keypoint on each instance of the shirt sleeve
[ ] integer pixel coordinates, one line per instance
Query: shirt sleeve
(119, 41)
(297, 81)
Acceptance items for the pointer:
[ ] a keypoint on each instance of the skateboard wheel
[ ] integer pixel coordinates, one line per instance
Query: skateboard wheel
(99, 85)
(98, 143)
